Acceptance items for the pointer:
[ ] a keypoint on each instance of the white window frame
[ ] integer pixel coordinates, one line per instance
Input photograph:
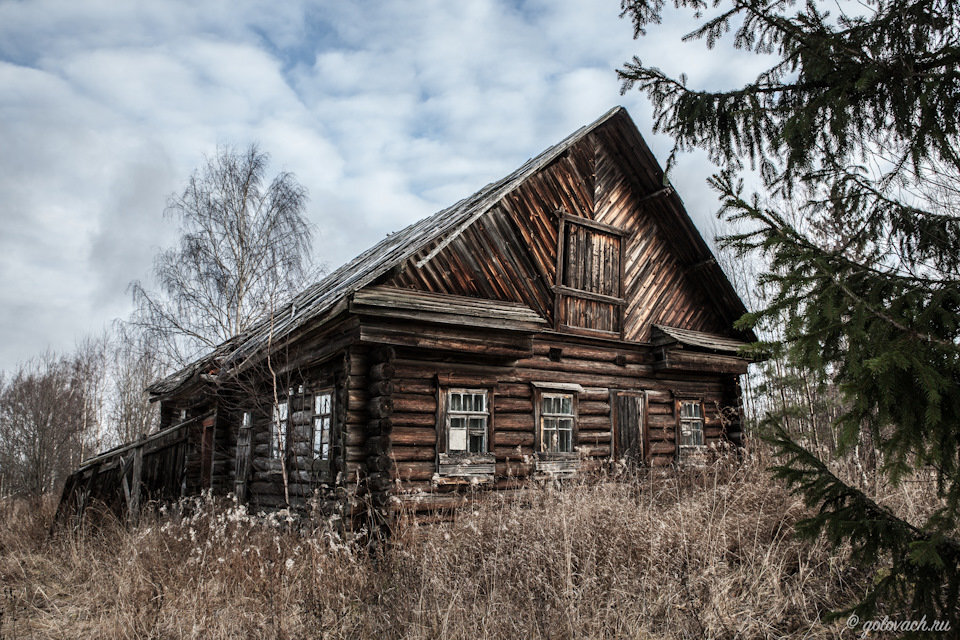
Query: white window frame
(558, 416)
(322, 448)
(280, 418)
(689, 425)
(467, 415)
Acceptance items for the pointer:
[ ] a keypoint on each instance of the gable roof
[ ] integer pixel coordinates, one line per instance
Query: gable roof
(329, 294)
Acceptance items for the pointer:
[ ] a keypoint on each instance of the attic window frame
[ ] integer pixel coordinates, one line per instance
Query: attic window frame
(560, 289)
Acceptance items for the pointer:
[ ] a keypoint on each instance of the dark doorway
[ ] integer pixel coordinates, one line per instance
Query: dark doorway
(629, 436)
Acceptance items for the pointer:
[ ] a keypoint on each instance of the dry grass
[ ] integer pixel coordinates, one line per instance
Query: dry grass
(708, 553)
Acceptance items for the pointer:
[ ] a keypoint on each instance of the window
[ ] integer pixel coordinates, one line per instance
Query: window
(556, 423)
(467, 417)
(555, 441)
(588, 288)
(691, 427)
(278, 428)
(322, 419)
(591, 260)
(463, 438)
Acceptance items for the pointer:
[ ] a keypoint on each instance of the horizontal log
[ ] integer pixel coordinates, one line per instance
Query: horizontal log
(659, 409)
(513, 438)
(414, 419)
(591, 367)
(514, 390)
(486, 344)
(593, 408)
(465, 379)
(662, 421)
(410, 403)
(403, 454)
(605, 354)
(594, 394)
(421, 502)
(424, 385)
(659, 395)
(415, 436)
(357, 364)
(513, 421)
(357, 417)
(661, 448)
(357, 397)
(512, 405)
(593, 422)
(662, 435)
(593, 436)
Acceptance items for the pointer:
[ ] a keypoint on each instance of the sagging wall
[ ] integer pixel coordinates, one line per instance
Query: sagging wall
(412, 383)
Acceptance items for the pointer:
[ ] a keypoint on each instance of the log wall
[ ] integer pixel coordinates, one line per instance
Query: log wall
(416, 381)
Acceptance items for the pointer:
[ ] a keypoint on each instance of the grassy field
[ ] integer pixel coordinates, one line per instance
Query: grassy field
(705, 553)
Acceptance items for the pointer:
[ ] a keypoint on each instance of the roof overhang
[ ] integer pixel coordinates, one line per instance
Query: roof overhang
(487, 329)
(696, 351)
(436, 308)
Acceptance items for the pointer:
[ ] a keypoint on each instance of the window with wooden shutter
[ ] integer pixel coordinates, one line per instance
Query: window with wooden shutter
(589, 288)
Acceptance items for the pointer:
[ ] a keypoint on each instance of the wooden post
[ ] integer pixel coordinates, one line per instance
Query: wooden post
(134, 503)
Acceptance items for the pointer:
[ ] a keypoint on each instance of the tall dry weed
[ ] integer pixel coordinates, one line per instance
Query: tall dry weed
(702, 553)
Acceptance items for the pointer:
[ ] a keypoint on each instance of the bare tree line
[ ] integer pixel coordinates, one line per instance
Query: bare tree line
(244, 249)
(59, 408)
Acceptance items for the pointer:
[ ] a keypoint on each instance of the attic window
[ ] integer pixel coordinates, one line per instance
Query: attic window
(589, 288)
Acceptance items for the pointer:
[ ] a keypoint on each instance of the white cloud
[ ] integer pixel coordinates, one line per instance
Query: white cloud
(385, 111)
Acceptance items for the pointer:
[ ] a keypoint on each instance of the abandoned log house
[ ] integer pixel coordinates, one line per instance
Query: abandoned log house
(565, 316)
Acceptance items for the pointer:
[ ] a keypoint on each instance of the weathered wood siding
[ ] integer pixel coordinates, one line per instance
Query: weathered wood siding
(510, 253)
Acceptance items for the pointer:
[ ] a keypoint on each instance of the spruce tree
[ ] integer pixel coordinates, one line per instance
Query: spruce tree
(855, 125)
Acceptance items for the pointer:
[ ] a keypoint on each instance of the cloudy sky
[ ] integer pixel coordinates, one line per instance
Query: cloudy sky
(385, 111)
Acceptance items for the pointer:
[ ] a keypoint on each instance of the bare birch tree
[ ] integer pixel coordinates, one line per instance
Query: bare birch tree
(244, 242)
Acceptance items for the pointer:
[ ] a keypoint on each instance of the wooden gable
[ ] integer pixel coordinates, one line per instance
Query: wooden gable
(625, 263)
